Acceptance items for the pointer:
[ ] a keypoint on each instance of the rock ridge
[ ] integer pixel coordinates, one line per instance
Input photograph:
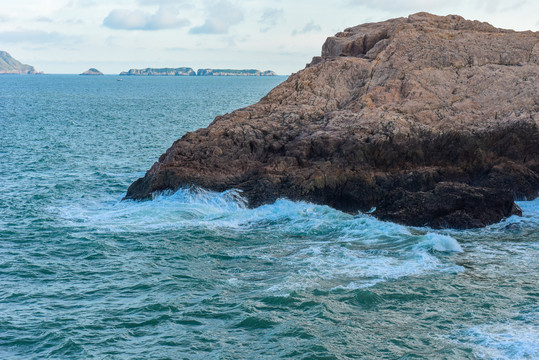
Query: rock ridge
(431, 120)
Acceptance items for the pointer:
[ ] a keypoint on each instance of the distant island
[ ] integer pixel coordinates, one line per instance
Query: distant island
(9, 65)
(182, 71)
(186, 71)
(230, 72)
(92, 71)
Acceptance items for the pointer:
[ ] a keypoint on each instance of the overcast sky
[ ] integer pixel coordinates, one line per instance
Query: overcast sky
(70, 36)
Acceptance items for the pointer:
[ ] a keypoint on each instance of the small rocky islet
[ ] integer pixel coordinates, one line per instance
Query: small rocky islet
(425, 120)
(92, 71)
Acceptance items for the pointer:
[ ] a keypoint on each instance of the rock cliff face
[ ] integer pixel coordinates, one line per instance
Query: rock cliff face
(9, 65)
(92, 71)
(183, 71)
(231, 72)
(432, 120)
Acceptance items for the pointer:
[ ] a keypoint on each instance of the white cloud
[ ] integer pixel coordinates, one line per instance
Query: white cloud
(165, 18)
(400, 5)
(270, 18)
(221, 16)
(36, 37)
(74, 21)
(82, 3)
(493, 6)
(43, 19)
(393, 6)
(308, 28)
(183, 3)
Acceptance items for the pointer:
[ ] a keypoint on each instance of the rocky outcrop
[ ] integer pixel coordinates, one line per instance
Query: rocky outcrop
(182, 71)
(92, 71)
(9, 65)
(431, 120)
(231, 72)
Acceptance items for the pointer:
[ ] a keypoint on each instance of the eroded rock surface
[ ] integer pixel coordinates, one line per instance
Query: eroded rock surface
(432, 120)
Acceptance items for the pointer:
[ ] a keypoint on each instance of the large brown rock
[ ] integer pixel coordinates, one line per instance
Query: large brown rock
(432, 120)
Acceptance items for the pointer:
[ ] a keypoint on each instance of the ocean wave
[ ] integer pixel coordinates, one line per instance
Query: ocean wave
(319, 246)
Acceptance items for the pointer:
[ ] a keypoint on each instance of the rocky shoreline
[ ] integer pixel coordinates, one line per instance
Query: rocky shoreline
(430, 120)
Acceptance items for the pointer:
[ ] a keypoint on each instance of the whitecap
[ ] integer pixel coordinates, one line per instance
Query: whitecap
(439, 242)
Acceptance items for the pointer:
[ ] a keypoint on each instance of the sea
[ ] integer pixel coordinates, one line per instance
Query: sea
(197, 274)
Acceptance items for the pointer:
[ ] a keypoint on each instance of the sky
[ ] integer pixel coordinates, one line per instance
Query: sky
(70, 36)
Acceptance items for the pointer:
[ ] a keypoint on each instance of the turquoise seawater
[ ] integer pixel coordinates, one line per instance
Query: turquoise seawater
(197, 275)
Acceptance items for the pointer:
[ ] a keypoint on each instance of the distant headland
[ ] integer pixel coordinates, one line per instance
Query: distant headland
(181, 71)
(187, 71)
(92, 71)
(231, 72)
(9, 65)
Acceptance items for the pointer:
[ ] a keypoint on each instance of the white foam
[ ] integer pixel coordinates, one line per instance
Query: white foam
(317, 245)
(331, 266)
(186, 207)
(503, 341)
(234, 281)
